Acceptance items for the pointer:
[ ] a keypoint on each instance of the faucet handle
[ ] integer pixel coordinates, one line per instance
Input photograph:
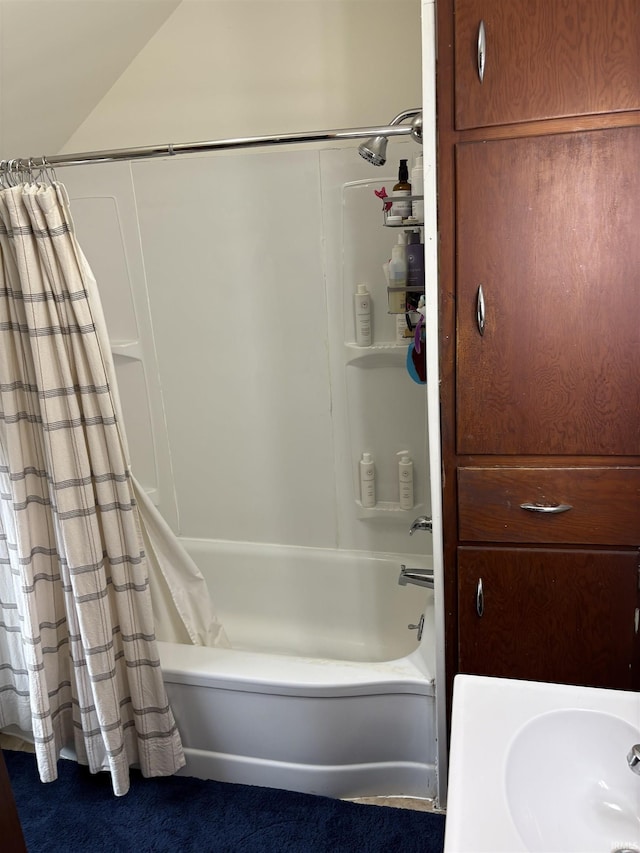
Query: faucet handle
(633, 759)
(421, 523)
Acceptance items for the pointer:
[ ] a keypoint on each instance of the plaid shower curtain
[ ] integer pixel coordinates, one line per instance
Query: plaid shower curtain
(79, 664)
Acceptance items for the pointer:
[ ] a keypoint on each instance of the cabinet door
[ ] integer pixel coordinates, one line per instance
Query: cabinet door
(545, 59)
(549, 615)
(548, 227)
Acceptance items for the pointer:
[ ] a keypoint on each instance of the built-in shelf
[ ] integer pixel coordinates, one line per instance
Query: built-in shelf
(386, 507)
(388, 354)
(153, 494)
(131, 350)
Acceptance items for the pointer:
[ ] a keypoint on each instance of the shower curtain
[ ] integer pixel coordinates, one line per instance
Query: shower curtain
(79, 664)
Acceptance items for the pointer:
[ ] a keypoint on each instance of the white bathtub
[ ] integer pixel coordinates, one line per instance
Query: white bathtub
(325, 690)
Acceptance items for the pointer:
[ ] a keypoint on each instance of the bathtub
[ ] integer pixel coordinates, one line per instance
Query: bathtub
(325, 689)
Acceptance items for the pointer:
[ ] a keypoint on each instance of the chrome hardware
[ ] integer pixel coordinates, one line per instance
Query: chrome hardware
(633, 758)
(479, 598)
(550, 510)
(374, 150)
(480, 315)
(419, 626)
(482, 50)
(421, 523)
(420, 577)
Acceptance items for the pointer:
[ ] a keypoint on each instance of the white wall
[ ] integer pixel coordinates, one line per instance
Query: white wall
(228, 68)
(58, 58)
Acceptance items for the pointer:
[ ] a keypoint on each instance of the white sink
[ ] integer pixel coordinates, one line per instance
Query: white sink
(541, 767)
(568, 783)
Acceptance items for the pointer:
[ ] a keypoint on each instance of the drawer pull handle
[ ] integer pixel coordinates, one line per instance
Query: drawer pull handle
(482, 50)
(480, 310)
(479, 598)
(550, 510)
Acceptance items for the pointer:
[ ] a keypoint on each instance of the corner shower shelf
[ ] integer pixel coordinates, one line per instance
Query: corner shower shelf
(153, 494)
(385, 507)
(385, 354)
(131, 350)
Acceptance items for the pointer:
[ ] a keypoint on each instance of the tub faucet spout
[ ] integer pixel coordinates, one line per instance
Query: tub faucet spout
(419, 577)
(633, 759)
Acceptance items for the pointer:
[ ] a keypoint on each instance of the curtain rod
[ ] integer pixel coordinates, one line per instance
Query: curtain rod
(150, 151)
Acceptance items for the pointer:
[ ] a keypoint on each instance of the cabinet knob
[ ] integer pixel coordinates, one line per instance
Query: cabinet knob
(555, 509)
(479, 598)
(482, 50)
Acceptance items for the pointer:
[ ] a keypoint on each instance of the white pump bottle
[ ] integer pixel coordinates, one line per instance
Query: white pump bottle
(362, 306)
(405, 479)
(367, 481)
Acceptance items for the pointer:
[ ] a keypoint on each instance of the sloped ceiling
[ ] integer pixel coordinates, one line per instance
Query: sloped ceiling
(58, 58)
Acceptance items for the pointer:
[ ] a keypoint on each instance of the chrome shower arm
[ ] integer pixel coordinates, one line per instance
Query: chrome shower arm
(403, 116)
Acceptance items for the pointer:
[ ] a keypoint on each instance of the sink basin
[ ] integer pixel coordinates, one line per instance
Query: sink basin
(568, 784)
(541, 767)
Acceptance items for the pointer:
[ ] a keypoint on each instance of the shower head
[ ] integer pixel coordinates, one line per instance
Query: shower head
(374, 149)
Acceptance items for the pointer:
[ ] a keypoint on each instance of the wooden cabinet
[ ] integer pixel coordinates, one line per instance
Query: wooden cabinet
(549, 615)
(545, 59)
(538, 206)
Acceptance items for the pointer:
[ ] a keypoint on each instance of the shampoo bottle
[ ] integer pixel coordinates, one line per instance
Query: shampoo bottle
(415, 269)
(417, 187)
(362, 310)
(401, 193)
(398, 277)
(367, 481)
(405, 479)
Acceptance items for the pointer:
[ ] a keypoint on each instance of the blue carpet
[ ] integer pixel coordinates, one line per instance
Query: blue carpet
(79, 813)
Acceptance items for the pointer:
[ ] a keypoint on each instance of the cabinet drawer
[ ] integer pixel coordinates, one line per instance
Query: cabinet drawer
(604, 505)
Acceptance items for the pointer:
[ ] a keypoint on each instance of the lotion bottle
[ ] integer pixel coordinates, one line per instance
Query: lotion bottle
(362, 310)
(405, 479)
(402, 192)
(398, 277)
(367, 481)
(417, 186)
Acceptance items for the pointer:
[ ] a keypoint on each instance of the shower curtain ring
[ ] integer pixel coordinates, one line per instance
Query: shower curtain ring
(48, 171)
